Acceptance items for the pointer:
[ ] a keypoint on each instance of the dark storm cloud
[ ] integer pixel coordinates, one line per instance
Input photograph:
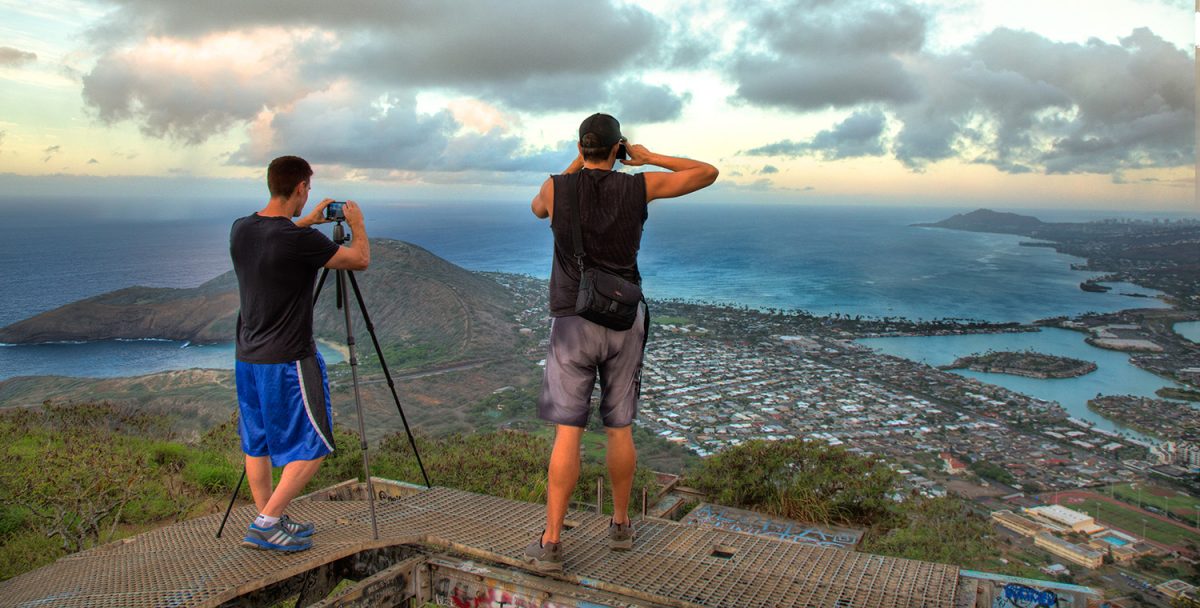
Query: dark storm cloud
(15, 57)
(392, 137)
(812, 54)
(859, 135)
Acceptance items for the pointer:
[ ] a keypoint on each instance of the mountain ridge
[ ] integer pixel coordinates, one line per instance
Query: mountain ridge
(412, 296)
(986, 220)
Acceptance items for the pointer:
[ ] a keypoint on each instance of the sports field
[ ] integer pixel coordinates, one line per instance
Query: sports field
(1129, 519)
(1179, 503)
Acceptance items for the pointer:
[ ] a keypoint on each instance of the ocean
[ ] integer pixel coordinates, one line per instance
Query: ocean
(866, 261)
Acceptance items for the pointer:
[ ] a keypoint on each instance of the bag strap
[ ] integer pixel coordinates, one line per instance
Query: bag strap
(573, 212)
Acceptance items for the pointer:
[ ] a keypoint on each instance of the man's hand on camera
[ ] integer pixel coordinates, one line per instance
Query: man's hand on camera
(638, 155)
(316, 216)
(354, 215)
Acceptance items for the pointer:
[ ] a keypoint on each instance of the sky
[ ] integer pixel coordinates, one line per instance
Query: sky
(1021, 103)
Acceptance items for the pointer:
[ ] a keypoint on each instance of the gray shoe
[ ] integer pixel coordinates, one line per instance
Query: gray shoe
(544, 557)
(620, 536)
(297, 528)
(274, 538)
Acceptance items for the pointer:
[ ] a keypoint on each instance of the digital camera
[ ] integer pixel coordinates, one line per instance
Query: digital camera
(334, 211)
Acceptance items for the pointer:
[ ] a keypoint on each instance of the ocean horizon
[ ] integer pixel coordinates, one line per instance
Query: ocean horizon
(848, 260)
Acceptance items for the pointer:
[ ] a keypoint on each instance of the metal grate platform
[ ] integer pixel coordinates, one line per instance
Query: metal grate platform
(673, 564)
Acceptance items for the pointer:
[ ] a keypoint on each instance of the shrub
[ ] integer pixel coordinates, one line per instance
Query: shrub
(804, 480)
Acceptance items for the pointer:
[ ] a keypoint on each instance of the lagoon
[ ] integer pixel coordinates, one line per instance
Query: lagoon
(1189, 330)
(1114, 375)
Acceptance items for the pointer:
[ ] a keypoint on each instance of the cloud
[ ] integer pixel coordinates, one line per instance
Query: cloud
(49, 152)
(11, 57)
(861, 134)
(189, 71)
(528, 54)
(768, 169)
(1020, 102)
(390, 136)
(93, 161)
(639, 102)
(813, 54)
(1014, 100)
(190, 90)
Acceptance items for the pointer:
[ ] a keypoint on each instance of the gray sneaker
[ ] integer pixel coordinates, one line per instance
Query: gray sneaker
(274, 538)
(544, 558)
(620, 536)
(297, 528)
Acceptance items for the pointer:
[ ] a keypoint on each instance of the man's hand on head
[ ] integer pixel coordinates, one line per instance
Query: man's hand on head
(316, 216)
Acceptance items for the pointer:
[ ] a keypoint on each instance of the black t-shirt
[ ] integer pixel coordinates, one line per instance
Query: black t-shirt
(612, 206)
(276, 263)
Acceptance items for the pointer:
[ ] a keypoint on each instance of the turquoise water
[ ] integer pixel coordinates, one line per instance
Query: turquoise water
(850, 260)
(114, 358)
(1114, 374)
(1189, 330)
(1113, 540)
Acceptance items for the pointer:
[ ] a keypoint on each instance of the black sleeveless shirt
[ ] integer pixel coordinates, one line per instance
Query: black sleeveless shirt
(612, 208)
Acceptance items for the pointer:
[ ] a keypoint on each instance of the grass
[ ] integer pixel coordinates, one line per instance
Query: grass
(592, 443)
(670, 320)
(1130, 520)
(1182, 505)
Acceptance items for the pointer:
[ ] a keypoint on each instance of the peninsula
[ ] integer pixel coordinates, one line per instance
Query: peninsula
(1027, 363)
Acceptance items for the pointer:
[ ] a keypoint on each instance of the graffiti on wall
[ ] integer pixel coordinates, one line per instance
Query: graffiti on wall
(489, 593)
(1022, 596)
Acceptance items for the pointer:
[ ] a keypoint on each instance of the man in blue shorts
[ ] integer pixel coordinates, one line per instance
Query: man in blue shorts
(612, 207)
(283, 393)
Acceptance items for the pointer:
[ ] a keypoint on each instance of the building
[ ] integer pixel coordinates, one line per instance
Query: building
(1084, 556)
(1175, 588)
(953, 465)
(1021, 525)
(1187, 455)
(1067, 518)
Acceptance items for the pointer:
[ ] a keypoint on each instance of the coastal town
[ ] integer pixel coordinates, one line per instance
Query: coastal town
(1054, 485)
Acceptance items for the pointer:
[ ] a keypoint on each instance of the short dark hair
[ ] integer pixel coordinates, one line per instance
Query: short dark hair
(593, 150)
(285, 173)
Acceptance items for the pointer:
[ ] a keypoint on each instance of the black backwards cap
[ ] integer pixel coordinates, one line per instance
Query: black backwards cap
(605, 127)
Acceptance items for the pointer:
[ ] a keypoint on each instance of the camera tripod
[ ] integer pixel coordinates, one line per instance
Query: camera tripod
(341, 278)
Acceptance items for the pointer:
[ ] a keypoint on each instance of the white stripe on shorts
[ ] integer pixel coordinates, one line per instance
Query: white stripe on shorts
(308, 408)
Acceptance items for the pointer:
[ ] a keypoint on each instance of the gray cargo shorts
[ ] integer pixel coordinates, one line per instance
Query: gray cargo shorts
(578, 350)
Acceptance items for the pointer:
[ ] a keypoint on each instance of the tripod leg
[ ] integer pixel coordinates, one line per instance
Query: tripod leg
(362, 307)
(320, 284)
(232, 498)
(362, 429)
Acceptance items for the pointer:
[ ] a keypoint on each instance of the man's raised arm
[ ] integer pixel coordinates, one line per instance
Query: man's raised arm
(543, 204)
(686, 175)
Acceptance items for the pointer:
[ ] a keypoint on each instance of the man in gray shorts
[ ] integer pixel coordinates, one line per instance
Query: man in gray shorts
(612, 208)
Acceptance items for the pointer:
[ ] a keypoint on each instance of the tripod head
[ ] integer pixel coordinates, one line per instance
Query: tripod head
(339, 234)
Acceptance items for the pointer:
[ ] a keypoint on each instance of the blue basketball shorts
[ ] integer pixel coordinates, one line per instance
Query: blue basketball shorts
(284, 410)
